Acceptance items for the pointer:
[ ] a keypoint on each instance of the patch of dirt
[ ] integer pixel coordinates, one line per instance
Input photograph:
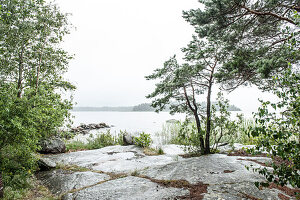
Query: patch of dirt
(293, 192)
(276, 159)
(283, 197)
(228, 171)
(151, 152)
(197, 191)
(190, 155)
(256, 161)
(245, 154)
(244, 195)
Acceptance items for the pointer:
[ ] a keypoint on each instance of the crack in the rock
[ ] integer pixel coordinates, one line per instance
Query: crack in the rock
(113, 176)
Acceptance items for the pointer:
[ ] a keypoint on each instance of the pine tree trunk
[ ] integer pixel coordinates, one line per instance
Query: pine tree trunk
(208, 120)
(198, 124)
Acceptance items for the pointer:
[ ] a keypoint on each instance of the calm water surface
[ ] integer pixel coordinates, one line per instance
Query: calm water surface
(132, 122)
(149, 122)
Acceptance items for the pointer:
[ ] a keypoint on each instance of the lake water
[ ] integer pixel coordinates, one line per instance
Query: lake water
(131, 122)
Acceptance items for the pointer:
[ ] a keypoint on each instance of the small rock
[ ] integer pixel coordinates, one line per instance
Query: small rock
(128, 140)
(46, 164)
(84, 132)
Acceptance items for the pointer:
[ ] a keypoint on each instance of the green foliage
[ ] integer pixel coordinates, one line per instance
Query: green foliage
(143, 140)
(101, 140)
(31, 77)
(279, 132)
(181, 85)
(189, 137)
(160, 151)
(12, 194)
(253, 35)
(76, 146)
(222, 125)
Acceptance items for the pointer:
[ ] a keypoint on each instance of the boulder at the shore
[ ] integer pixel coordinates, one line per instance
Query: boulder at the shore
(52, 145)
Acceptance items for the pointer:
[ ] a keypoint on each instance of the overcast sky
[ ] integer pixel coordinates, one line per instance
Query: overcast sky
(116, 43)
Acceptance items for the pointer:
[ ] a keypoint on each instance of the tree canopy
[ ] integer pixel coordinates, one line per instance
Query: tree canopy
(256, 37)
(32, 65)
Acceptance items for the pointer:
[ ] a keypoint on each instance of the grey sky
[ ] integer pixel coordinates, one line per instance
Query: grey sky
(118, 42)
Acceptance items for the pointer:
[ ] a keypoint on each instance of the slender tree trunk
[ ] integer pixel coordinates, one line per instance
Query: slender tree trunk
(20, 78)
(208, 109)
(208, 120)
(195, 112)
(198, 124)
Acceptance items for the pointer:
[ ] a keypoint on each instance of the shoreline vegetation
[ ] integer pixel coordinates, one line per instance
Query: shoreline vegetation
(144, 107)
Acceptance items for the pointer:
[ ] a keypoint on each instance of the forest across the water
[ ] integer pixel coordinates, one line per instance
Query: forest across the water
(144, 107)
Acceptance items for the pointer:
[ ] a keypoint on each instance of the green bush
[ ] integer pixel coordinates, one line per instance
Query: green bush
(100, 141)
(160, 151)
(143, 140)
(279, 134)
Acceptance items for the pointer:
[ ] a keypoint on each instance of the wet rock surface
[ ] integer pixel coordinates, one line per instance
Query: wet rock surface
(62, 181)
(125, 172)
(127, 188)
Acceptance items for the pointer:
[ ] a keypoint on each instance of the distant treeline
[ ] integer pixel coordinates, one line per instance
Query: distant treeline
(144, 107)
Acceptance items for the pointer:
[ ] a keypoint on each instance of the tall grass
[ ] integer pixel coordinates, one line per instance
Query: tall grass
(100, 141)
(185, 133)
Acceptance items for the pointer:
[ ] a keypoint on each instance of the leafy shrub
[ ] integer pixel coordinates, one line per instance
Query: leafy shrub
(223, 128)
(160, 151)
(279, 134)
(100, 141)
(76, 145)
(189, 137)
(143, 140)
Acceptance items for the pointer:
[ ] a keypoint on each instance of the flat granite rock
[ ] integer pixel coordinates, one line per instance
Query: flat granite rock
(117, 159)
(130, 187)
(209, 169)
(237, 191)
(61, 181)
(226, 177)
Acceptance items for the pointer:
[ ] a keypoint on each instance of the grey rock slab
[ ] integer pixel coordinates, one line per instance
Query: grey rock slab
(61, 181)
(209, 169)
(237, 191)
(132, 164)
(236, 146)
(133, 188)
(90, 157)
(112, 159)
(172, 149)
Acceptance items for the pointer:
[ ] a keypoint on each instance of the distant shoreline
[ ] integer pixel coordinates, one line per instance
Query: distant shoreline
(139, 108)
